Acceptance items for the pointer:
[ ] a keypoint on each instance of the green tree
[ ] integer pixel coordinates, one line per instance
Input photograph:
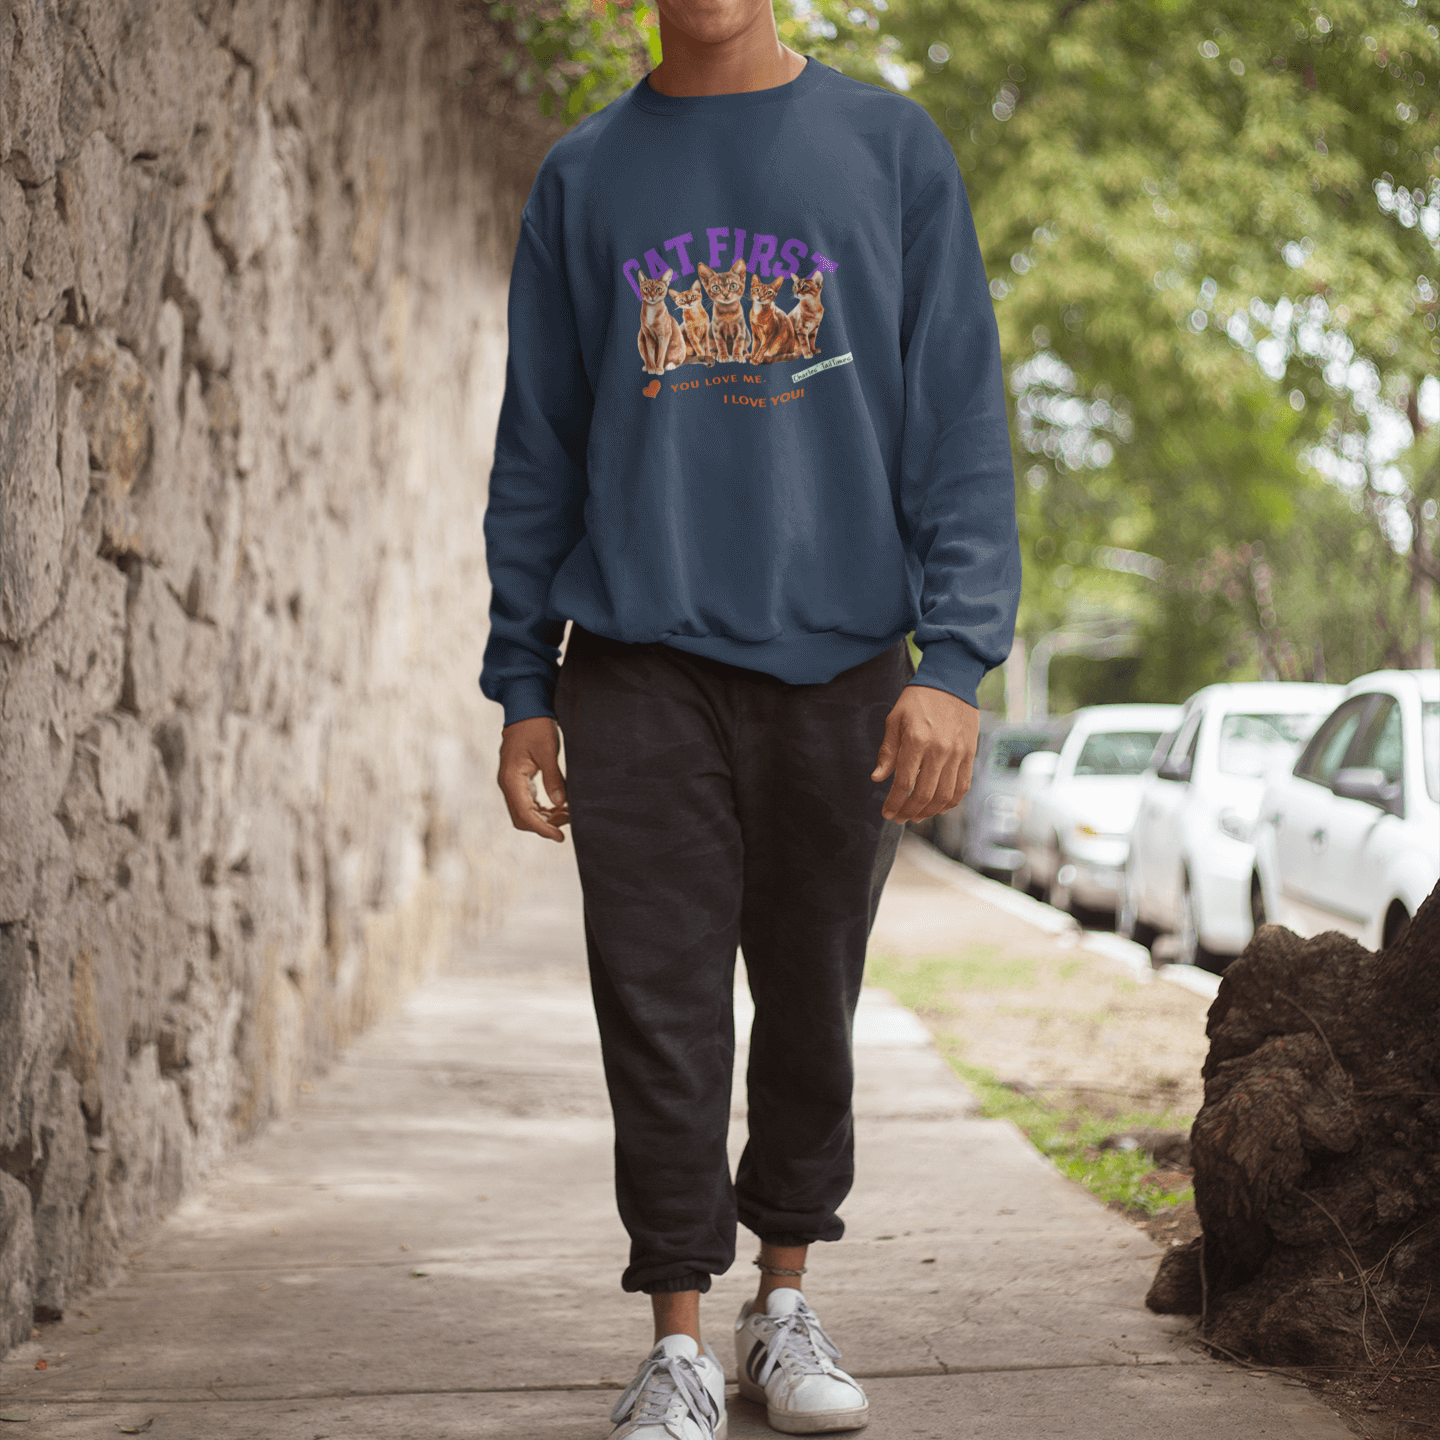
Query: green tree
(1212, 231)
(576, 56)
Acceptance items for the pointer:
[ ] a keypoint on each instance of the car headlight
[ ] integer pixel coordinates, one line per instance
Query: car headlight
(1235, 825)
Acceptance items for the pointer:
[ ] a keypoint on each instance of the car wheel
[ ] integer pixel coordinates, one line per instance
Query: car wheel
(1192, 952)
(1395, 922)
(949, 834)
(1062, 875)
(1128, 923)
(1257, 902)
(1025, 879)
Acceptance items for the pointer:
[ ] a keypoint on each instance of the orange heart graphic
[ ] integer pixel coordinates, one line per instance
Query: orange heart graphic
(652, 389)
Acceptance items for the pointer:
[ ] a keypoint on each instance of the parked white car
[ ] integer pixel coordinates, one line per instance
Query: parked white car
(1077, 807)
(1191, 860)
(1350, 840)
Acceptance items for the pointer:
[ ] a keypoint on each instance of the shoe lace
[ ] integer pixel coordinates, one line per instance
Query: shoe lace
(663, 1382)
(800, 1335)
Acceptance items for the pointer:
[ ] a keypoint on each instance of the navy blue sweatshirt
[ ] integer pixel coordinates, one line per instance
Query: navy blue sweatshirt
(753, 405)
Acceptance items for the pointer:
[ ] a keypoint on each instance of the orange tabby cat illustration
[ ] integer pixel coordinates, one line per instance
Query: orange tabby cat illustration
(661, 340)
(696, 324)
(729, 339)
(772, 334)
(806, 316)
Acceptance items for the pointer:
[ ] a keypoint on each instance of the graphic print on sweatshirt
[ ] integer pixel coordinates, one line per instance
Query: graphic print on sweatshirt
(775, 329)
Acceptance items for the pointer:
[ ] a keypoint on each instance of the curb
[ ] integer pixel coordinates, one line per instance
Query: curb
(1135, 958)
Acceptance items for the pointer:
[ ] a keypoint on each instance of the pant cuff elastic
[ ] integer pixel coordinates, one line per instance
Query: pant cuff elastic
(695, 1280)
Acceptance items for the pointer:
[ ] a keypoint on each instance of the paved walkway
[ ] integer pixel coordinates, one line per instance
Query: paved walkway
(428, 1248)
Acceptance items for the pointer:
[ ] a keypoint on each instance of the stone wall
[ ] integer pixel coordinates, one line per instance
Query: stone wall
(252, 268)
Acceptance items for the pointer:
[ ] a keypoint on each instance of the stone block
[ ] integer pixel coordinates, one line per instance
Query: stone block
(93, 844)
(164, 68)
(202, 276)
(85, 94)
(34, 763)
(32, 96)
(98, 196)
(14, 238)
(32, 511)
(125, 757)
(249, 208)
(88, 637)
(24, 1023)
(115, 404)
(155, 648)
(171, 512)
(66, 1152)
(148, 255)
(49, 254)
(74, 463)
(17, 1262)
(7, 52)
(150, 1137)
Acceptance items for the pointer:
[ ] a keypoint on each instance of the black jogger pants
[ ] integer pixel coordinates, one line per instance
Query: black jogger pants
(713, 806)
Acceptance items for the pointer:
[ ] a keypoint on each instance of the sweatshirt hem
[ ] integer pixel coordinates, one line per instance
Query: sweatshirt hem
(808, 659)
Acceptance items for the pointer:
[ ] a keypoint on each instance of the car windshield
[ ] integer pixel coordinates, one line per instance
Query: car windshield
(1009, 750)
(1252, 745)
(1116, 752)
(1430, 745)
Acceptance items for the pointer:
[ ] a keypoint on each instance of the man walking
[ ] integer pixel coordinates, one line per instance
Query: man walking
(807, 459)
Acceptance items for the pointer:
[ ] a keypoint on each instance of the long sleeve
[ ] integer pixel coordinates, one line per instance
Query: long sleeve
(957, 484)
(534, 518)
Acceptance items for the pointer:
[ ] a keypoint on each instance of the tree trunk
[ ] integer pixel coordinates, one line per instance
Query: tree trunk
(1317, 1153)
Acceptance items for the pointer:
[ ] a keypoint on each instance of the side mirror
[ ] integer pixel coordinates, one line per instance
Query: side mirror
(1039, 766)
(1358, 782)
(1178, 769)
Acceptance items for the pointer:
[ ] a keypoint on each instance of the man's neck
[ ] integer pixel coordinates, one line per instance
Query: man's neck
(754, 59)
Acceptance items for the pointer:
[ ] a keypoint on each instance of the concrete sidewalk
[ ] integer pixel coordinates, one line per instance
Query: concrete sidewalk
(428, 1248)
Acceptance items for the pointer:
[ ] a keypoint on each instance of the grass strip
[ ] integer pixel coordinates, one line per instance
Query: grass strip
(1060, 1126)
(1069, 1136)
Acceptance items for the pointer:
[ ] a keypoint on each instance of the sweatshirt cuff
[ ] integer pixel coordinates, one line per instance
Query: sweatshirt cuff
(951, 666)
(527, 697)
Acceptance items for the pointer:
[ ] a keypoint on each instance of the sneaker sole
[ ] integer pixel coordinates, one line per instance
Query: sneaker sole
(802, 1422)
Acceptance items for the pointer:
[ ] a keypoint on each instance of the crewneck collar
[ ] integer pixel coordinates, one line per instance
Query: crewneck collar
(648, 98)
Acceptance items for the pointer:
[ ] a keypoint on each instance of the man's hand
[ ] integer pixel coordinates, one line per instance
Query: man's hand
(529, 748)
(929, 747)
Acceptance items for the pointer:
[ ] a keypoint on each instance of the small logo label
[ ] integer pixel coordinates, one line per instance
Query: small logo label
(652, 389)
(800, 375)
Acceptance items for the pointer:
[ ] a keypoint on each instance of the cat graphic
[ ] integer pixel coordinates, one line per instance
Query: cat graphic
(729, 339)
(661, 340)
(806, 316)
(696, 324)
(772, 334)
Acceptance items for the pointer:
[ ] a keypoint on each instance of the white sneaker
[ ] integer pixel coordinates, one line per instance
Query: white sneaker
(785, 1362)
(678, 1393)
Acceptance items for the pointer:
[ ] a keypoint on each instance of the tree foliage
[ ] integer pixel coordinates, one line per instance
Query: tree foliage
(578, 55)
(1212, 233)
